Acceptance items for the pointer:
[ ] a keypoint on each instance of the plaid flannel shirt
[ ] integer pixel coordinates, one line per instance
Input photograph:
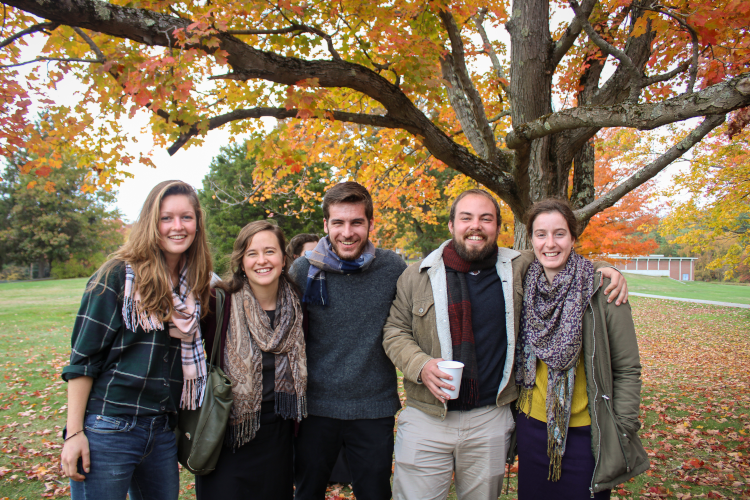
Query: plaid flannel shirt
(136, 373)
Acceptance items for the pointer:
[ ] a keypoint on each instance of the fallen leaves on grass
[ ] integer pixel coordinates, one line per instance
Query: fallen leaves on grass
(695, 408)
(695, 400)
(32, 453)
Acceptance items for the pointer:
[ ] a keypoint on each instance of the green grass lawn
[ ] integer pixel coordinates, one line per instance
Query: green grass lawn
(695, 409)
(658, 285)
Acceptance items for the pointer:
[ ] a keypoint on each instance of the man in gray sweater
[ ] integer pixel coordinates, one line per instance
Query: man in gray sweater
(352, 389)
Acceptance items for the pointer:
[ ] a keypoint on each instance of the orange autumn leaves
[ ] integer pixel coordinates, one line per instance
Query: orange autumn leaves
(619, 229)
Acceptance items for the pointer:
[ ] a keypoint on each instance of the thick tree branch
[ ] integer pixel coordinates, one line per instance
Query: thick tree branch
(28, 31)
(717, 99)
(607, 48)
(620, 85)
(462, 108)
(154, 28)
(281, 113)
(499, 71)
(568, 38)
(650, 170)
(488, 149)
(668, 75)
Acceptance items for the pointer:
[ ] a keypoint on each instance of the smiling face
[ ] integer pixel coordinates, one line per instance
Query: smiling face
(348, 229)
(177, 227)
(263, 262)
(475, 228)
(552, 242)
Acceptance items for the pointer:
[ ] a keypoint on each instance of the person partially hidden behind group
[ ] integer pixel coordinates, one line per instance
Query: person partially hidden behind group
(263, 354)
(303, 242)
(578, 370)
(137, 355)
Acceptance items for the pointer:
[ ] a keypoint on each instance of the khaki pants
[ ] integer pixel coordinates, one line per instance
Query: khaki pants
(473, 444)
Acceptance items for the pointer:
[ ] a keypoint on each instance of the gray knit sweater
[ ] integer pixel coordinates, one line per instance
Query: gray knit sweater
(348, 374)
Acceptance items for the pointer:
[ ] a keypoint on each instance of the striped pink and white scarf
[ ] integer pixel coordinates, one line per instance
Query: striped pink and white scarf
(184, 325)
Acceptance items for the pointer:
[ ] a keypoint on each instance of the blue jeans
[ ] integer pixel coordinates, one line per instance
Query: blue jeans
(135, 455)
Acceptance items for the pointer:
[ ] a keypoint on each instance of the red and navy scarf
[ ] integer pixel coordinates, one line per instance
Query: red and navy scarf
(459, 315)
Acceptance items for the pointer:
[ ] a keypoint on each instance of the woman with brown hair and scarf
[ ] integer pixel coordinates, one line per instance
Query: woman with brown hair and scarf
(263, 354)
(578, 369)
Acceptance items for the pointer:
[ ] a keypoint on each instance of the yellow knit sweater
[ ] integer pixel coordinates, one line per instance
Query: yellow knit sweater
(579, 414)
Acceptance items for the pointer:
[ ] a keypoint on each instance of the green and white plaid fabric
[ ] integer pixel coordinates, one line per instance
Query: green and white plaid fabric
(135, 372)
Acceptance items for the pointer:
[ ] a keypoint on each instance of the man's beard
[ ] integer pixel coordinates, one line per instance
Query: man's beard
(474, 254)
(360, 250)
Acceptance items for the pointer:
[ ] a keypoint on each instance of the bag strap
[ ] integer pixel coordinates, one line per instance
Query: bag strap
(219, 323)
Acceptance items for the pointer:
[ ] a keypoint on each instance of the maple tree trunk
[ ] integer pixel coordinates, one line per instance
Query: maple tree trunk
(583, 180)
(520, 237)
(531, 94)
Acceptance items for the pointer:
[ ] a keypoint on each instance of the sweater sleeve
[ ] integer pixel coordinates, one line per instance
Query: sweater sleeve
(98, 321)
(298, 272)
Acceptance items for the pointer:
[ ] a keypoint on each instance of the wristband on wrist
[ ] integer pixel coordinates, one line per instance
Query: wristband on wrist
(72, 435)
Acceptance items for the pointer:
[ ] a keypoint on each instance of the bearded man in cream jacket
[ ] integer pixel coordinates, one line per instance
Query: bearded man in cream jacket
(462, 303)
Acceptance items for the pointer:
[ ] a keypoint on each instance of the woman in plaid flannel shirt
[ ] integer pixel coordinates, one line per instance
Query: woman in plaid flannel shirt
(137, 354)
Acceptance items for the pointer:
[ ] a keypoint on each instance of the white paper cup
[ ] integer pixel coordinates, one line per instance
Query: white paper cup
(454, 369)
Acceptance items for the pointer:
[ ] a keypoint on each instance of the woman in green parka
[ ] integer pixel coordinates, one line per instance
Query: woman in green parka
(578, 369)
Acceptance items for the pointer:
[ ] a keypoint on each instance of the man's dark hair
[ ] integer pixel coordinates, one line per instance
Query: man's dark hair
(552, 205)
(480, 192)
(348, 192)
(295, 244)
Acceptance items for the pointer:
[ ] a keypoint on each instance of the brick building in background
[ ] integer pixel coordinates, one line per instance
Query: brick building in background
(677, 268)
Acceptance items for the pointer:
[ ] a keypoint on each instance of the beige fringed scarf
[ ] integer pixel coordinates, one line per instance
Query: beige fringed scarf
(244, 360)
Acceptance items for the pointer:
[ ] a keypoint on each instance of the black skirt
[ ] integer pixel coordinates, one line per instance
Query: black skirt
(533, 463)
(261, 469)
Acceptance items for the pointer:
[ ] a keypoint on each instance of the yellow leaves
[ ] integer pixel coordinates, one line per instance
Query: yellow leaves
(640, 27)
(716, 214)
(31, 185)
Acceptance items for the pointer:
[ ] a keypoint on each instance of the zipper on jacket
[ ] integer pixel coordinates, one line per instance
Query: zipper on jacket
(596, 393)
(619, 437)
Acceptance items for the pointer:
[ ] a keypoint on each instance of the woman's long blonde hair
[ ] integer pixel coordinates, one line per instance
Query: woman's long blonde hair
(142, 252)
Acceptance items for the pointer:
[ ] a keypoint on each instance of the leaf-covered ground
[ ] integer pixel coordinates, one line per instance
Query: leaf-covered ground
(696, 396)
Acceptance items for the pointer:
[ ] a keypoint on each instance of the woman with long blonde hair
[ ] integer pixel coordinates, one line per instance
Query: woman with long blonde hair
(263, 354)
(137, 354)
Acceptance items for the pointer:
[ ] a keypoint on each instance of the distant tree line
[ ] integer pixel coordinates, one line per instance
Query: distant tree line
(53, 227)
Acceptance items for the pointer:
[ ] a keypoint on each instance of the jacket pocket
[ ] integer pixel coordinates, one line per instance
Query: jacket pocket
(104, 424)
(421, 307)
(623, 437)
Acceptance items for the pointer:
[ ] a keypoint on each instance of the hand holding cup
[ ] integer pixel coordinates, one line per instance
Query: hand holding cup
(439, 381)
